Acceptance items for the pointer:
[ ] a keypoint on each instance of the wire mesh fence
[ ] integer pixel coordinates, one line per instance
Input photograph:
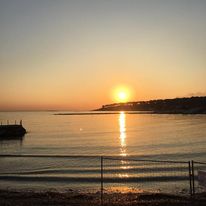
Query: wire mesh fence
(198, 177)
(137, 175)
(101, 174)
(48, 172)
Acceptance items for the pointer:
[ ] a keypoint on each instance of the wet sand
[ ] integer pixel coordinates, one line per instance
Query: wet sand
(74, 198)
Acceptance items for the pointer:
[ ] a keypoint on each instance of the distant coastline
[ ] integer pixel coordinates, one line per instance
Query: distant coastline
(192, 105)
(103, 113)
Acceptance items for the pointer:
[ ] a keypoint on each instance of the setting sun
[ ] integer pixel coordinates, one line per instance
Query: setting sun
(121, 94)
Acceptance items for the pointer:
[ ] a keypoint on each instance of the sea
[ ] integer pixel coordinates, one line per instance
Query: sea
(125, 150)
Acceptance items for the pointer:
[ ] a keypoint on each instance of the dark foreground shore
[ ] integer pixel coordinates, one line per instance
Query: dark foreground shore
(72, 198)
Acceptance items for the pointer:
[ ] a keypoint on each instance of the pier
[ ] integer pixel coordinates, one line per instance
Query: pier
(12, 130)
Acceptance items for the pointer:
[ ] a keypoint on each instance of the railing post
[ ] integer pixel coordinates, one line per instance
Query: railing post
(189, 168)
(193, 178)
(102, 181)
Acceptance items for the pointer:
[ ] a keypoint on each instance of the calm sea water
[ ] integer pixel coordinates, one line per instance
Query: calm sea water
(146, 136)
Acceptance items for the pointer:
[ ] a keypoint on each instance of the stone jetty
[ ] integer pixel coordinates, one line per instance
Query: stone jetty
(12, 130)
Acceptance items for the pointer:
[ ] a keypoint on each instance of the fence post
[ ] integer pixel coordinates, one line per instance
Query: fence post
(189, 167)
(102, 181)
(193, 178)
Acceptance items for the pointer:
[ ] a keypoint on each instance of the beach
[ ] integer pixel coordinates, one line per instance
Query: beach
(74, 198)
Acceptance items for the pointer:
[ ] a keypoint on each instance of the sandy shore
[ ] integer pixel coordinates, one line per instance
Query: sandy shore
(73, 198)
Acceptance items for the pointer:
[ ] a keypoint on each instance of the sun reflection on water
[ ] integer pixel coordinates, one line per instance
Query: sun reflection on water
(122, 130)
(123, 144)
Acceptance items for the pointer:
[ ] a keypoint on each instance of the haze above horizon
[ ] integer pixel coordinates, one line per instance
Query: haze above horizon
(76, 55)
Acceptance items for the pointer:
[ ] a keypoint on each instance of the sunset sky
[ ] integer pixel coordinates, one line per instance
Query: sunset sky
(72, 54)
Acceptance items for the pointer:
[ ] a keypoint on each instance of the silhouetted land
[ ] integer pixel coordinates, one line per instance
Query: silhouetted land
(99, 113)
(192, 105)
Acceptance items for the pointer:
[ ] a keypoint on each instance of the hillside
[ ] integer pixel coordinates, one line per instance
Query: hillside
(192, 105)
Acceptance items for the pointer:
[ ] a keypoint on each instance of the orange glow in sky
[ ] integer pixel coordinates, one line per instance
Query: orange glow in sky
(80, 55)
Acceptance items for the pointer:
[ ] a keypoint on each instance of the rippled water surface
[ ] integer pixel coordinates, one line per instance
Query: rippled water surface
(147, 136)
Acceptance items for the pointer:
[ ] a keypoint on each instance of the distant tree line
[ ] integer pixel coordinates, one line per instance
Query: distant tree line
(192, 105)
